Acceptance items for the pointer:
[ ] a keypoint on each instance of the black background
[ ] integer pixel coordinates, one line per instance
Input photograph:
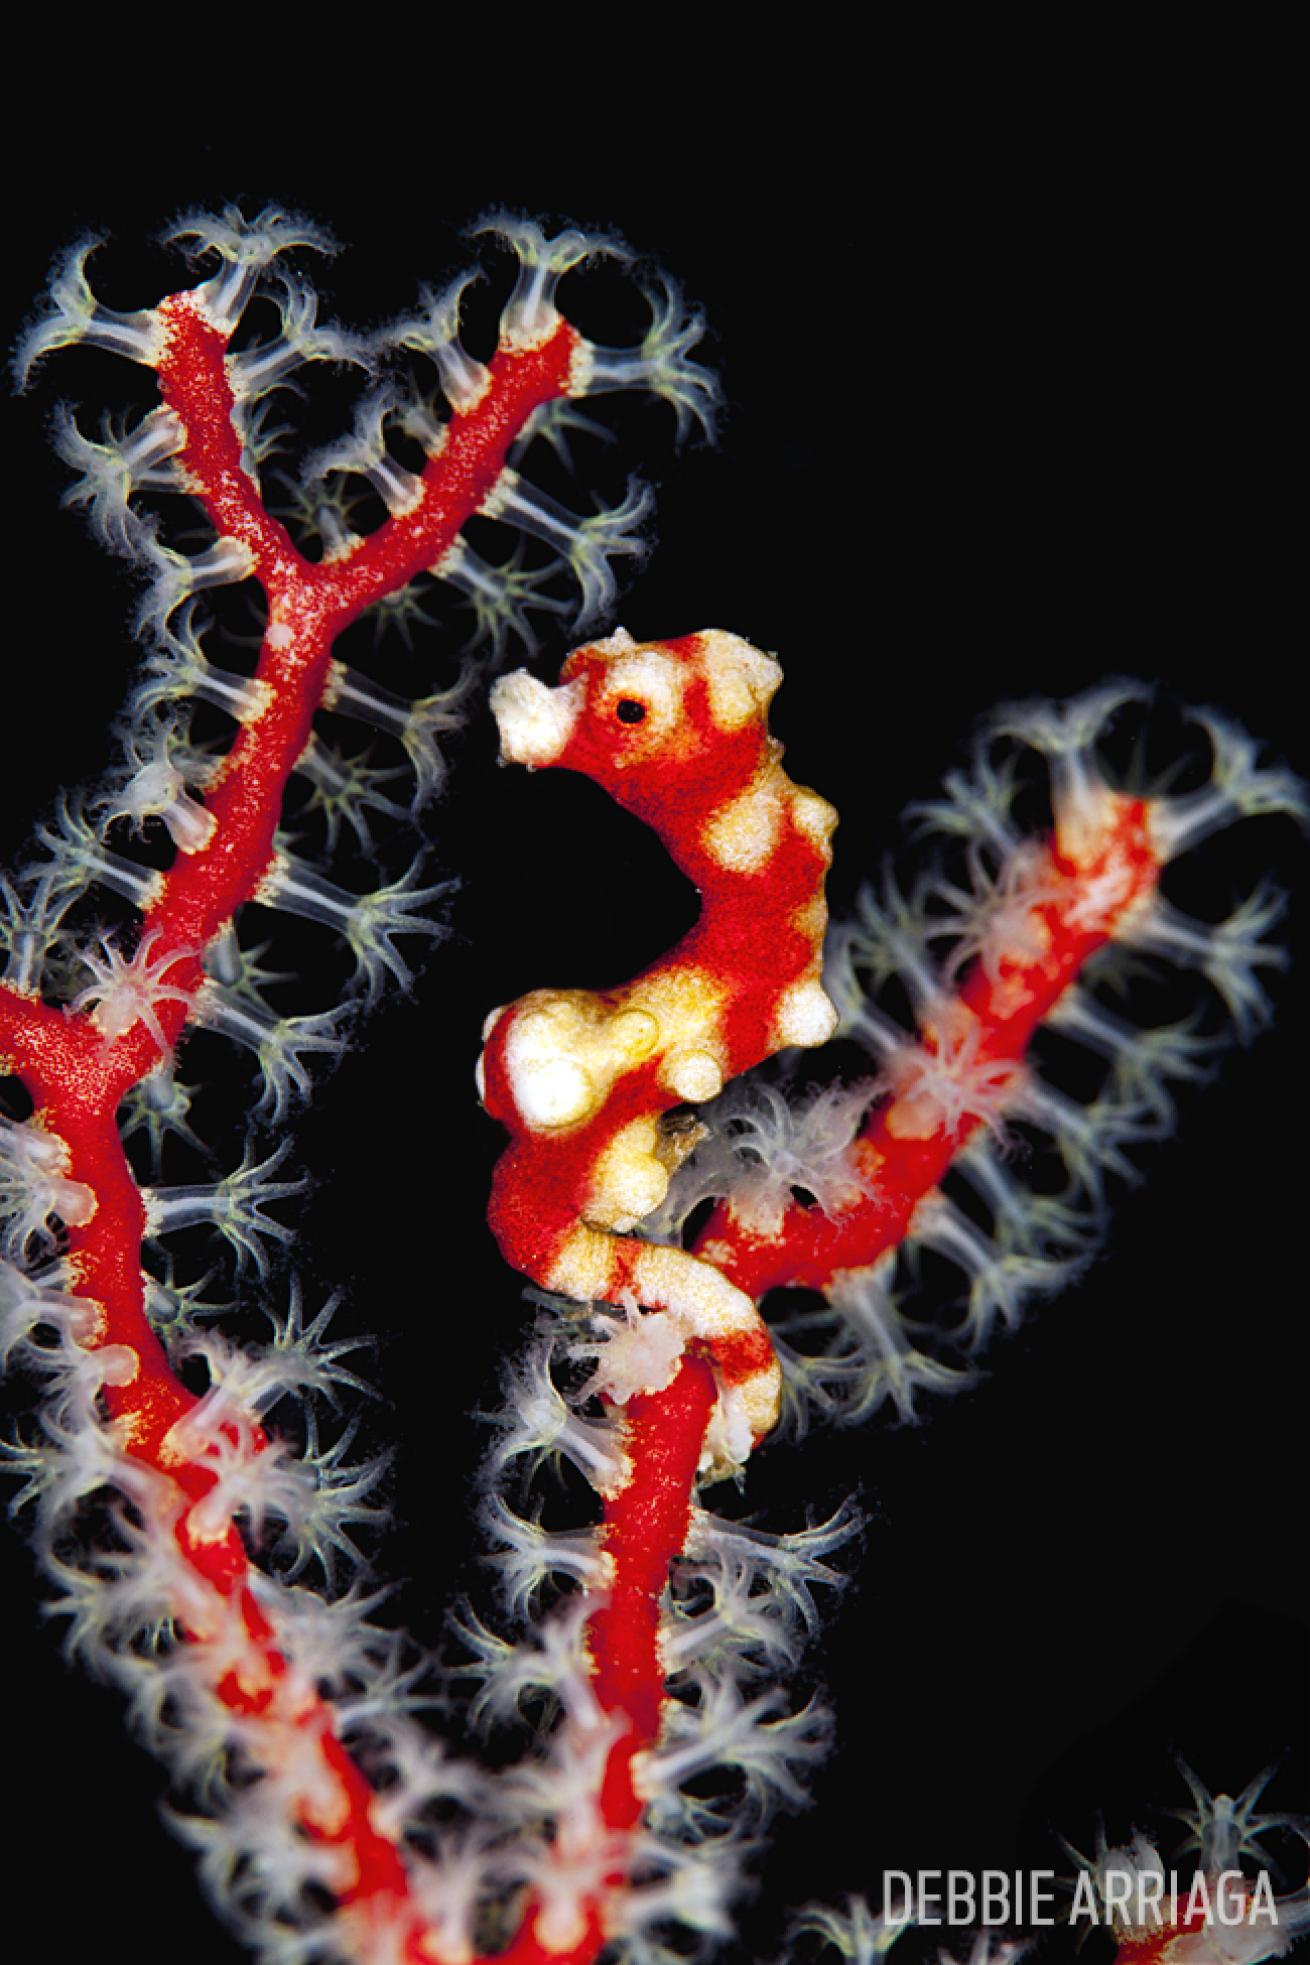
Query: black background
(1010, 388)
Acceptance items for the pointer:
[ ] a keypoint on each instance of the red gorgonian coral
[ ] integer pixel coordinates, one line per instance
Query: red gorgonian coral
(197, 1498)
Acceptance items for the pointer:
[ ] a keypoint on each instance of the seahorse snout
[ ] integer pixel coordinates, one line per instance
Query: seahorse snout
(535, 722)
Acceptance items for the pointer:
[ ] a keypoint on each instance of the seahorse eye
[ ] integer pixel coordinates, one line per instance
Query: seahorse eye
(631, 711)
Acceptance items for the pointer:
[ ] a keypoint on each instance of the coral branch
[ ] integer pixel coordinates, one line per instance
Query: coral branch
(964, 1072)
(193, 1466)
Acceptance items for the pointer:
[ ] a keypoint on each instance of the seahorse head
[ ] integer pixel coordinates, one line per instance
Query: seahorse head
(630, 714)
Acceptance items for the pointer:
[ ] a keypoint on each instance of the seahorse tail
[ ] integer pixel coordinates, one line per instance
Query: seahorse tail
(706, 1311)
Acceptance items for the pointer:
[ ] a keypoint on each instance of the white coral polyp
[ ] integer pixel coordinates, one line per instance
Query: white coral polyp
(946, 1088)
(642, 1356)
(128, 991)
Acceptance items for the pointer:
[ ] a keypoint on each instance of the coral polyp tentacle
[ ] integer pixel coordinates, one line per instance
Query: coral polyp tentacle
(676, 732)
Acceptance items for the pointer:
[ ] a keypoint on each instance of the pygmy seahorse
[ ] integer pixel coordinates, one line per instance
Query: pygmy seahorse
(584, 1080)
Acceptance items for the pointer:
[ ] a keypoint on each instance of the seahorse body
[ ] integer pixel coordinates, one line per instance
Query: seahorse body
(676, 732)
